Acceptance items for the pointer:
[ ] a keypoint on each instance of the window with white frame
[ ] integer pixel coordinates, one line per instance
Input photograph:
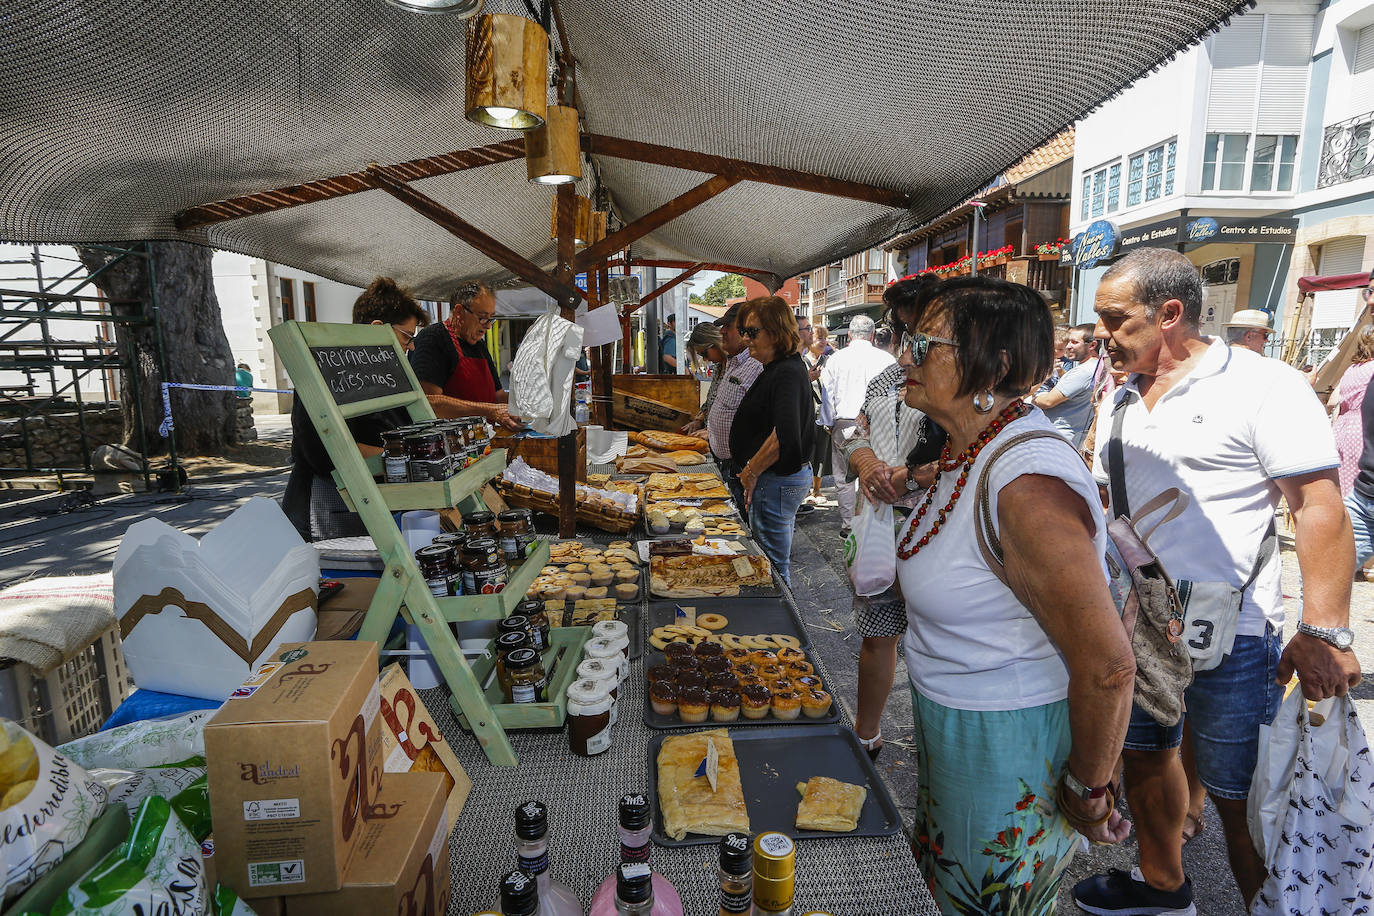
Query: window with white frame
(1269, 162)
(1150, 173)
(1101, 191)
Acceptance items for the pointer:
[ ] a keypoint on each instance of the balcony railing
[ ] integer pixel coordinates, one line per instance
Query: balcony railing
(1347, 151)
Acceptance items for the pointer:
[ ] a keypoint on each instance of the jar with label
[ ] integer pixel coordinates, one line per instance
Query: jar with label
(614, 630)
(395, 459)
(606, 650)
(428, 456)
(454, 541)
(540, 630)
(526, 674)
(589, 718)
(478, 553)
(480, 524)
(597, 669)
(515, 531)
(517, 623)
(505, 644)
(454, 440)
(436, 566)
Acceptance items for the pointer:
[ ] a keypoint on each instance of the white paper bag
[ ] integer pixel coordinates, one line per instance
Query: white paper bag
(870, 551)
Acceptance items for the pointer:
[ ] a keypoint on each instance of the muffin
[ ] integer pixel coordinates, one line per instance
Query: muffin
(798, 669)
(693, 704)
(658, 673)
(691, 679)
(751, 680)
(694, 527)
(682, 662)
(657, 523)
(763, 657)
(581, 578)
(725, 681)
(575, 592)
(770, 673)
(787, 656)
(737, 657)
(725, 705)
(663, 696)
(626, 590)
(815, 703)
(677, 649)
(755, 701)
(598, 591)
(627, 574)
(601, 575)
(707, 649)
(713, 664)
(575, 568)
(808, 682)
(746, 670)
(786, 704)
(782, 685)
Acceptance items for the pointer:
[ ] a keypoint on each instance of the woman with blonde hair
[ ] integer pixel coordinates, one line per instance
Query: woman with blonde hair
(705, 352)
(1345, 401)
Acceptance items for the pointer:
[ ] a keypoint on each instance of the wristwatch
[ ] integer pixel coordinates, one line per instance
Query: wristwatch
(1072, 783)
(1340, 637)
(911, 485)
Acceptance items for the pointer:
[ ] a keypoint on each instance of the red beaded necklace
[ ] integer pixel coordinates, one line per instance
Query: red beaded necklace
(963, 464)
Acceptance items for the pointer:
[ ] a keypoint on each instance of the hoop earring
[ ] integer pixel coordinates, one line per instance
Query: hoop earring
(983, 402)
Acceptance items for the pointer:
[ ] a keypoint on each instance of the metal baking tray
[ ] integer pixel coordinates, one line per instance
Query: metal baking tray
(771, 590)
(745, 616)
(772, 762)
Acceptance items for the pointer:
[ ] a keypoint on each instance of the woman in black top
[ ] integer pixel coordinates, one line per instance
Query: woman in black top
(773, 428)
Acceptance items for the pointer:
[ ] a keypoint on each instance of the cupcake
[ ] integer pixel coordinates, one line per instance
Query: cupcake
(770, 673)
(737, 656)
(601, 575)
(575, 568)
(677, 650)
(657, 522)
(786, 704)
(705, 649)
(663, 696)
(755, 701)
(808, 682)
(751, 680)
(694, 527)
(691, 679)
(693, 703)
(724, 681)
(782, 685)
(787, 656)
(713, 664)
(627, 574)
(725, 705)
(684, 662)
(626, 591)
(658, 673)
(581, 578)
(575, 592)
(597, 591)
(797, 669)
(815, 703)
(746, 670)
(763, 657)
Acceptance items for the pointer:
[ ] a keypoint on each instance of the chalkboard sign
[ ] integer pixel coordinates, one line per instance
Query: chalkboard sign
(360, 373)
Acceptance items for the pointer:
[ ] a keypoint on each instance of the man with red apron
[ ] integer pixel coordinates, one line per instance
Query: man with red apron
(453, 364)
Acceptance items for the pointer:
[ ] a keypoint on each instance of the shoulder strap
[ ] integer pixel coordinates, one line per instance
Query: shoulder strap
(1116, 460)
(988, 542)
(1266, 550)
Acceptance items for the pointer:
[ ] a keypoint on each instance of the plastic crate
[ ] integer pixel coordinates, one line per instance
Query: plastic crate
(74, 699)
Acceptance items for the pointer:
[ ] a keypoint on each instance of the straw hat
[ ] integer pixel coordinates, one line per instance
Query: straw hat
(1251, 318)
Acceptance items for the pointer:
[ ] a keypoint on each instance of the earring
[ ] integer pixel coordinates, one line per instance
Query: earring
(983, 401)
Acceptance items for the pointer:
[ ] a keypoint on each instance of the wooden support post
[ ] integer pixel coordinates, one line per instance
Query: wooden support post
(607, 370)
(567, 445)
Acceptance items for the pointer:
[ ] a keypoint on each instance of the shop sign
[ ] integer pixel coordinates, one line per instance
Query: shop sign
(1245, 230)
(1162, 233)
(1099, 242)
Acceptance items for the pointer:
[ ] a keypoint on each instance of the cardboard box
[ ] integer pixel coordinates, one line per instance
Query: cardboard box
(294, 760)
(401, 864)
(412, 743)
(542, 452)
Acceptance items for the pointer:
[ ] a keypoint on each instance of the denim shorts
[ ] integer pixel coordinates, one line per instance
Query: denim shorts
(1225, 708)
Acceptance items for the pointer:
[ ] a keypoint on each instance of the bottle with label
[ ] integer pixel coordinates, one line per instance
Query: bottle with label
(736, 874)
(519, 895)
(774, 874)
(636, 821)
(532, 851)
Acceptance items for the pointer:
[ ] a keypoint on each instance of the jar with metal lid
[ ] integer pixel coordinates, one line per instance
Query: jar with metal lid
(504, 644)
(436, 567)
(477, 553)
(589, 718)
(607, 650)
(395, 458)
(481, 524)
(526, 674)
(490, 579)
(454, 440)
(540, 630)
(515, 531)
(516, 623)
(428, 456)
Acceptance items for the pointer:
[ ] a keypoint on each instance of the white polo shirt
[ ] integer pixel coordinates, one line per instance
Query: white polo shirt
(1222, 435)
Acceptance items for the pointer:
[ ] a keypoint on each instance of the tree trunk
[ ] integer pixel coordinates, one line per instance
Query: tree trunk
(196, 349)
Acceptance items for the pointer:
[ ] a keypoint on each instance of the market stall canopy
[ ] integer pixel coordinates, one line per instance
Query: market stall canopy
(1309, 285)
(117, 117)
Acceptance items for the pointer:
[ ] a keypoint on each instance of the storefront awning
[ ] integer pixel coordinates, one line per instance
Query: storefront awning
(1309, 285)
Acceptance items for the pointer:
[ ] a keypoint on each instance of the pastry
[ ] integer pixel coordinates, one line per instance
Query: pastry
(828, 804)
(686, 801)
(677, 650)
(627, 574)
(626, 590)
(815, 703)
(808, 682)
(658, 673)
(782, 685)
(723, 681)
(725, 705)
(799, 669)
(708, 649)
(737, 656)
(619, 545)
(575, 592)
(755, 700)
(576, 567)
(751, 680)
(691, 678)
(599, 591)
(786, 705)
(663, 697)
(582, 578)
(693, 704)
(786, 655)
(602, 575)
(712, 621)
(763, 657)
(770, 673)
(714, 664)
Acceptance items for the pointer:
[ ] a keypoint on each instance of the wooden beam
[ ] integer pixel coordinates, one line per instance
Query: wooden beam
(508, 258)
(565, 219)
(599, 145)
(661, 262)
(627, 235)
(343, 185)
(680, 278)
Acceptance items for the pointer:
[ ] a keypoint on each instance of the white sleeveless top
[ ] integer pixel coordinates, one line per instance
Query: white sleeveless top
(970, 644)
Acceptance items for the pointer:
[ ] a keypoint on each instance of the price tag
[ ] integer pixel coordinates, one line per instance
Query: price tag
(685, 615)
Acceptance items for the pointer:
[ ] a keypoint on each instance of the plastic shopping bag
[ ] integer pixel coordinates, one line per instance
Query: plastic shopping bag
(1318, 845)
(870, 551)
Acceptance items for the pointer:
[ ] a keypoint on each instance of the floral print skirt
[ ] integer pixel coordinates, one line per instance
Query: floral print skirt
(988, 836)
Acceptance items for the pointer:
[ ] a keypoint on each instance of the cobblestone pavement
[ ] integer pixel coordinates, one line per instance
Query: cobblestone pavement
(822, 590)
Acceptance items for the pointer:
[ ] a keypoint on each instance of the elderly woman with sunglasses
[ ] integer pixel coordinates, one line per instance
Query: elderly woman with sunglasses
(770, 435)
(1020, 668)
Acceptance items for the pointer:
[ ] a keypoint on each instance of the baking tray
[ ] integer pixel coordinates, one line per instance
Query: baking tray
(771, 590)
(666, 723)
(746, 616)
(772, 762)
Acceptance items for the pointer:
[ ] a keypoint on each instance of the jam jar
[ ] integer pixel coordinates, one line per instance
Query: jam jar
(436, 566)
(480, 524)
(526, 674)
(589, 718)
(454, 541)
(476, 553)
(454, 439)
(540, 630)
(515, 531)
(395, 459)
(503, 645)
(428, 456)
(517, 623)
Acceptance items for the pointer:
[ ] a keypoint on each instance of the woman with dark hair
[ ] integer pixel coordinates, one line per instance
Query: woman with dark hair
(705, 352)
(771, 434)
(311, 500)
(1021, 686)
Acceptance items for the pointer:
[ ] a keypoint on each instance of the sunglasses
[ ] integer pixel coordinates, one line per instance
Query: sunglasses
(750, 332)
(919, 345)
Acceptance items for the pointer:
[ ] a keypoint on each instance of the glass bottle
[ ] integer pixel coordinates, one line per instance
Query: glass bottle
(633, 894)
(774, 874)
(736, 874)
(519, 895)
(636, 821)
(532, 850)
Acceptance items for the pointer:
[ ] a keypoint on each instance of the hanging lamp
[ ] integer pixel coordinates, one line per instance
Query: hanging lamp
(507, 71)
(553, 153)
(582, 220)
(460, 9)
(598, 230)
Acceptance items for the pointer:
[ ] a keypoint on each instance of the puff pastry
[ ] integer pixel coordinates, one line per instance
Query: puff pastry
(686, 801)
(828, 804)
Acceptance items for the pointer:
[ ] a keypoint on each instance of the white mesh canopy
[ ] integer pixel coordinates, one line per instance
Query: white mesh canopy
(115, 116)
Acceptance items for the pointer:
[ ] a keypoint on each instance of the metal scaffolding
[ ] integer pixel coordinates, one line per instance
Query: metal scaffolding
(55, 370)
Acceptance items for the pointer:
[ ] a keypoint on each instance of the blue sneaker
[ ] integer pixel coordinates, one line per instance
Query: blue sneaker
(1120, 893)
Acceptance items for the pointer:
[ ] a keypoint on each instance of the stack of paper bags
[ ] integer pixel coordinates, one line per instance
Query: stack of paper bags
(197, 618)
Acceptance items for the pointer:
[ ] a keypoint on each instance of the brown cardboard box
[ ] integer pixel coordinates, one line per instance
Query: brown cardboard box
(401, 863)
(261, 906)
(294, 759)
(411, 742)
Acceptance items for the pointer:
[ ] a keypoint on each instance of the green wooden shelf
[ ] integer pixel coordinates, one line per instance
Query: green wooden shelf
(495, 607)
(535, 715)
(403, 497)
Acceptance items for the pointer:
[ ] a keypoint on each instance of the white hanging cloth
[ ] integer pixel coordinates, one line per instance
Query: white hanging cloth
(541, 376)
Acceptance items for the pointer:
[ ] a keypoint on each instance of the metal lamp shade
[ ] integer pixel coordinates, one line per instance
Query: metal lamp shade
(507, 71)
(553, 153)
(461, 9)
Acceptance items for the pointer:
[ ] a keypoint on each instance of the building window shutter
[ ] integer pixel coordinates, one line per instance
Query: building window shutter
(1283, 84)
(1364, 50)
(1235, 76)
(1337, 308)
